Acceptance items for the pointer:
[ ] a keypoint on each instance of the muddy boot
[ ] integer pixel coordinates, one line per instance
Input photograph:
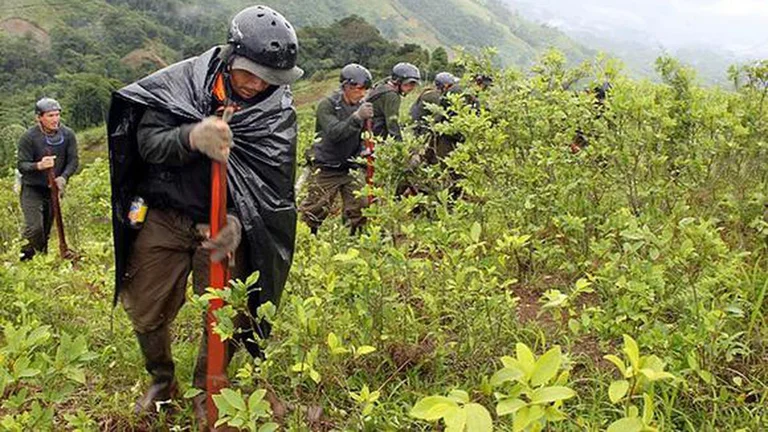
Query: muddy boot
(156, 347)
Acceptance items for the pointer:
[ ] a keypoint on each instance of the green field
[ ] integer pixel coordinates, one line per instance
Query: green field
(621, 288)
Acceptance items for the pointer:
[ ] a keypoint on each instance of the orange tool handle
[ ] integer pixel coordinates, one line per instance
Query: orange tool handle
(219, 276)
(369, 146)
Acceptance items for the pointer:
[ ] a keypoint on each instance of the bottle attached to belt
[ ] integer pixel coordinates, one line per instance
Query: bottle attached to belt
(138, 213)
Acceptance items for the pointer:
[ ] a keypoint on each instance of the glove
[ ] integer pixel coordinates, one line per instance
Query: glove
(365, 111)
(46, 162)
(226, 241)
(61, 184)
(212, 137)
(368, 152)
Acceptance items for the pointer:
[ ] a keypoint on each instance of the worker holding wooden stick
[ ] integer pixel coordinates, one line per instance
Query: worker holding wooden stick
(47, 146)
(165, 133)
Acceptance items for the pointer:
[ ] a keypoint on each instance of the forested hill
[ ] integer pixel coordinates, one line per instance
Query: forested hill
(79, 51)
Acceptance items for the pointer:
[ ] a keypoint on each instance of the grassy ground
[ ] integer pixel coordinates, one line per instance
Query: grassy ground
(439, 302)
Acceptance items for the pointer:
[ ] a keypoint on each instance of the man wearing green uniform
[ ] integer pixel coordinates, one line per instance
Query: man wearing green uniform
(47, 145)
(438, 146)
(339, 123)
(385, 98)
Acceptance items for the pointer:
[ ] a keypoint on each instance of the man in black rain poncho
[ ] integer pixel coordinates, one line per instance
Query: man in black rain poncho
(164, 130)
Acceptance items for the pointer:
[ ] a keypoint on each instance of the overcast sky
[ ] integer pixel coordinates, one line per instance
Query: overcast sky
(740, 26)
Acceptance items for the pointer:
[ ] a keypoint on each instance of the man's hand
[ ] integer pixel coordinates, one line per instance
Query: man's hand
(226, 241)
(61, 184)
(212, 137)
(365, 111)
(46, 162)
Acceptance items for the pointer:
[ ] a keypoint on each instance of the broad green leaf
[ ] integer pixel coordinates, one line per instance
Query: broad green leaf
(506, 374)
(551, 394)
(546, 367)
(536, 413)
(627, 424)
(647, 408)
(315, 376)
(632, 351)
(478, 418)
(706, 376)
(76, 375)
(521, 420)
(619, 364)
(618, 390)
(333, 341)
(455, 420)
(475, 232)
(509, 406)
(656, 376)
(432, 408)
(460, 396)
(269, 427)
(553, 414)
(234, 398)
(255, 398)
(510, 362)
(363, 350)
(526, 358)
(192, 392)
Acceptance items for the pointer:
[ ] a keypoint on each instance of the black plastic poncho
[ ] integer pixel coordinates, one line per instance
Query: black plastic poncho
(260, 169)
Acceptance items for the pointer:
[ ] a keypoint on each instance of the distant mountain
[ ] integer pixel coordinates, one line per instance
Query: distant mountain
(629, 38)
(472, 24)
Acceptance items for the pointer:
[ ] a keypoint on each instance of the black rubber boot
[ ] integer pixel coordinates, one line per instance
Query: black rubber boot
(156, 348)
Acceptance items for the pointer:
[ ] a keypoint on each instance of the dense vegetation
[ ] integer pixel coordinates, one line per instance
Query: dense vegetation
(622, 287)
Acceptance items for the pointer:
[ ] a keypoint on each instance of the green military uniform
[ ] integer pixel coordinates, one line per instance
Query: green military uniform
(35, 192)
(334, 168)
(386, 111)
(439, 146)
(420, 110)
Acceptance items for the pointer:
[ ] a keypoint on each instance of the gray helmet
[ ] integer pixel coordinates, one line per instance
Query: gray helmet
(404, 73)
(444, 80)
(353, 73)
(266, 38)
(46, 104)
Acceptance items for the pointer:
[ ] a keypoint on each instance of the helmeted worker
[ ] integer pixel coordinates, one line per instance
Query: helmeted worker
(600, 93)
(420, 109)
(340, 119)
(386, 96)
(163, 134)
(47, 145)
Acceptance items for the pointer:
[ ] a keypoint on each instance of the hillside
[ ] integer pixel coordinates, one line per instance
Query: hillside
(472, 24)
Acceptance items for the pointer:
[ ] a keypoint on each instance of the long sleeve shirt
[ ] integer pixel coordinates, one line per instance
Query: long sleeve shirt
(338, 132)
(34, 145)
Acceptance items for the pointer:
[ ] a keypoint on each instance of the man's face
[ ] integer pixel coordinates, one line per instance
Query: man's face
(50, 120)
(407, 88)
(354, 93)
(246, 84)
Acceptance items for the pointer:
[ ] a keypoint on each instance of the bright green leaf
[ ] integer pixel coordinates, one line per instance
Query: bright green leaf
(363, 350)
(478, 418)
(619, 364)
(455, 420)
(432, 408)
(551, 394)
(234, 398)
(509, 406)
(618, 390)
(632, 351)
(506, 374)
(269, 427)
(460, 396)
(546, 367)
(629, 424)
(526, 358)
